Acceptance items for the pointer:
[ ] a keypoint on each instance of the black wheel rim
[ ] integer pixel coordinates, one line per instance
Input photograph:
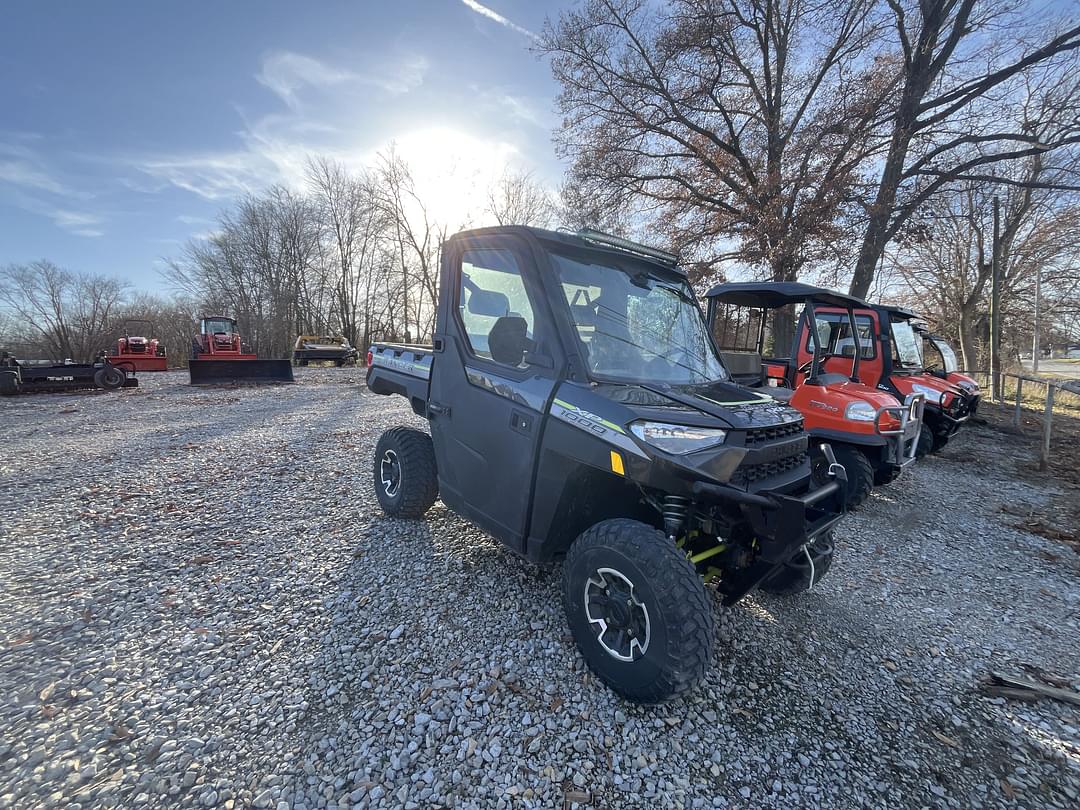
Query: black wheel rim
(390, 473)
(619, 619)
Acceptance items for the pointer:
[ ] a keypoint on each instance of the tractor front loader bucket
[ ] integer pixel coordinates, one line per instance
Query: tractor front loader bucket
(239, 372)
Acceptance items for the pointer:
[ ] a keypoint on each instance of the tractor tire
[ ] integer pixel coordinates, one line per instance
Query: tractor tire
(794, 576)
(9, 383)
(925, 443)
(860, 472)
(110, 378)
(940, 440)
(658, 595)
(406, 480)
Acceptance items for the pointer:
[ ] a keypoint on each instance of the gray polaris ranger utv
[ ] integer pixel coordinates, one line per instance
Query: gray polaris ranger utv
(578, 410)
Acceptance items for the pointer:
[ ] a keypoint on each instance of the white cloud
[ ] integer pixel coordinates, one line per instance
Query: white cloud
(499, 18)
(76, 222)
(287, 73)
(212, 176)
(19, 173)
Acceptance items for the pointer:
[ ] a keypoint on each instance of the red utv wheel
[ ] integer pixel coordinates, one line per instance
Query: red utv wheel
(638, 611)
(925, 443)
(885, 475)
(860, 472)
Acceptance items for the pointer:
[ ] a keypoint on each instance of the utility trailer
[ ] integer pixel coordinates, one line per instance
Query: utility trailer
(18, 377)
(578, 411)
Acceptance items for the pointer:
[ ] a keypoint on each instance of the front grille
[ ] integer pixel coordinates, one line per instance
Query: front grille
(755, 437)
(748, 474)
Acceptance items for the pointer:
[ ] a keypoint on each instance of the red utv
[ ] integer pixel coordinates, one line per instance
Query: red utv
(896, 366)
(873, 433)
(939, 359)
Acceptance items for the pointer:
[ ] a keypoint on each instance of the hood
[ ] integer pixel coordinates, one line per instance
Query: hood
(733, 405)
(858, 392)
(906, 383)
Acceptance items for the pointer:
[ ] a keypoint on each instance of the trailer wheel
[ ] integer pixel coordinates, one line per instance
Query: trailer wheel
(109, 377)
(638, 611)
(406, 480)
(9, 383)
(860, 472)
(925, 443)
(794, 576)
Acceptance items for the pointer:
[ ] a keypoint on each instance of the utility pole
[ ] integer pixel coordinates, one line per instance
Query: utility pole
(1035, 340)
(995, 307)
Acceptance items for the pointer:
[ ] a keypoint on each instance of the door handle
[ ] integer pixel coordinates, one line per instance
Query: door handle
(438, 408)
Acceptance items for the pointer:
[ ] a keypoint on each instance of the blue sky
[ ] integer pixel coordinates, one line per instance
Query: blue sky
(127, 126)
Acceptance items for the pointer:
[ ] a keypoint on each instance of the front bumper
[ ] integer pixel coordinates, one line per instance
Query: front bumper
(782, 525)
(902, 441)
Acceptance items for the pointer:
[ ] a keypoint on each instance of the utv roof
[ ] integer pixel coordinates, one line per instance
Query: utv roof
(902, 312)
(772, 294)
(585, 239)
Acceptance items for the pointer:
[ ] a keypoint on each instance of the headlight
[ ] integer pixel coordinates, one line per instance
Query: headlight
(932, 394)
(860, 412)
(678, 439)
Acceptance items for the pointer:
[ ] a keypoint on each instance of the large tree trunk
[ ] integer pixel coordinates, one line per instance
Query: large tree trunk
(876, 236)
(969, 350)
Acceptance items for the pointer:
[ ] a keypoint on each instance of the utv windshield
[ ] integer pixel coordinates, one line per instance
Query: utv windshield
(906, 351)
(948, 356)
(637, 326)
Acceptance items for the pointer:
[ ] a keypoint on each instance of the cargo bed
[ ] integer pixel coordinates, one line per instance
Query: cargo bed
(401, 368)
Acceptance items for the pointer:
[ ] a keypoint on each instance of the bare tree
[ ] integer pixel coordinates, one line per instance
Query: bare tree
(945, 255)
(737, 126)
(518, 198)
(417, 241)
(69, 314)
(965, 67)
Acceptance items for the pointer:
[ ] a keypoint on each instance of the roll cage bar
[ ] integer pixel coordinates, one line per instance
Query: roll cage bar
(774, 295)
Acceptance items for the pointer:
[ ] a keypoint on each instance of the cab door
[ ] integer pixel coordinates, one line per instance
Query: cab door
(490, 385)
(834, 334)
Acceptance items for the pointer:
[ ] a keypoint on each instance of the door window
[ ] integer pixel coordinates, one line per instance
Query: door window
(494, 306)
(834, 335)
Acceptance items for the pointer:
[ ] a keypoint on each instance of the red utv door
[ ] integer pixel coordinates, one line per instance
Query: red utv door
(834, 333)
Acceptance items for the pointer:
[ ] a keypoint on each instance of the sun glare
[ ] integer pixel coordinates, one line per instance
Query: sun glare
(453, 171)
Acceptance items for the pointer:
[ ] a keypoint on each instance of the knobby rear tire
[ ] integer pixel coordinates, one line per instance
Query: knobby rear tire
(418, 486)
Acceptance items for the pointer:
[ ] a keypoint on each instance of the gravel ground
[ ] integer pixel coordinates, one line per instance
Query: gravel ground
(202, 605)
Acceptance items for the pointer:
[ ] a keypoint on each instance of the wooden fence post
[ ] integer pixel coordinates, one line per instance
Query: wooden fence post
(1048, 417)
(1019, 388)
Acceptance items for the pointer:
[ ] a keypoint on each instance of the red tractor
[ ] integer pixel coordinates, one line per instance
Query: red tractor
(219, 356)
(134, 352)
